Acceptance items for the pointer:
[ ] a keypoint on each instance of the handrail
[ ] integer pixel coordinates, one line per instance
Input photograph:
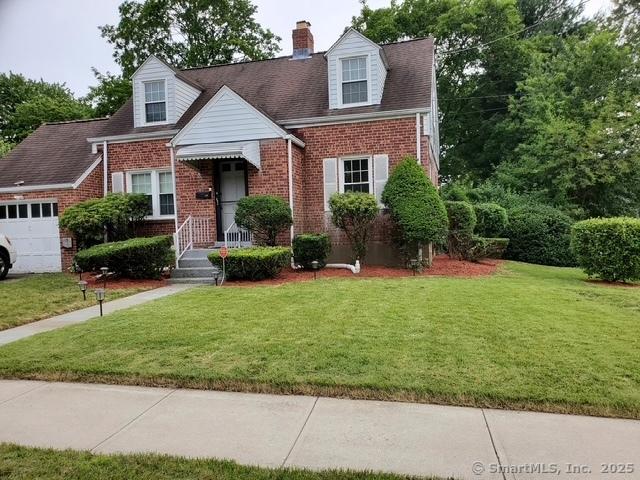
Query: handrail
(235, 237)
(183, 238)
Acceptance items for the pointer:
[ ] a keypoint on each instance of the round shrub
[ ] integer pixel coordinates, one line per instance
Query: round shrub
(354, 213)
(134, 258)
(415, 206)
(608, 247)
(462, 221)
(265, 216)
(491, 218)
(540, 234)
(309, 247)
(254, 263)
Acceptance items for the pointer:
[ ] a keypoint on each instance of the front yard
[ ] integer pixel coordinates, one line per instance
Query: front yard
(529, 337)
(34, 297)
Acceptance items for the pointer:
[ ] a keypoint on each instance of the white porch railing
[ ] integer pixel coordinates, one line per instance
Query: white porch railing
(194, 231)
(235, 237)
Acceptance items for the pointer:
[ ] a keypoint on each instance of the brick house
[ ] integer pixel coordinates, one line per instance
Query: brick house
(197, 140)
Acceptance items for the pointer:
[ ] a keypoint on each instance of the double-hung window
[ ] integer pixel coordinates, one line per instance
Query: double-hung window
(355, 175)
(155, 103)
(355, 87)
(158, 187)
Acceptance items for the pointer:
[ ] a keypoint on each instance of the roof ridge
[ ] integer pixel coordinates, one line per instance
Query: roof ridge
(408, 40)
(79, 120)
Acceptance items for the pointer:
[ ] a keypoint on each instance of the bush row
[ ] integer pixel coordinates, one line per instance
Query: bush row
(254, 263)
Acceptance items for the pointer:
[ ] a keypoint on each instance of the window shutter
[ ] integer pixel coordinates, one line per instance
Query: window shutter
(330, 168)
(380, 175)
(117, 182)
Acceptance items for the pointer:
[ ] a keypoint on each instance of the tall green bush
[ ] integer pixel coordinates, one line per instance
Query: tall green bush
(540, 234)
(265, 216)
(415, 206)
(117, 216)
(133, 258)
(309, 247)
(608, 247)
(462, 221)
(491, 218)
(354, 213)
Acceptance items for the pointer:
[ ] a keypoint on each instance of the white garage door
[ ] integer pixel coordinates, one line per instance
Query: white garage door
(32, 228)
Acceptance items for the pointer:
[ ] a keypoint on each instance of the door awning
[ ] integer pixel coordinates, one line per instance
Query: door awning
(250, 151)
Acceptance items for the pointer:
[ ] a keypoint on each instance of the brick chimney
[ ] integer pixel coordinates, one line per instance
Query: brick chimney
(302, 40)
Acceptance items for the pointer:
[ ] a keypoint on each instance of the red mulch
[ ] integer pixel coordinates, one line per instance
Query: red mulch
(122, 283)
(442, 266)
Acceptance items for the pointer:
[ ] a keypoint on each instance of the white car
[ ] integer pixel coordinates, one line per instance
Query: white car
(8, 256)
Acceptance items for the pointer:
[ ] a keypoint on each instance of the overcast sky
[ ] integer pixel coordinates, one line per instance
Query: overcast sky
(59, 40)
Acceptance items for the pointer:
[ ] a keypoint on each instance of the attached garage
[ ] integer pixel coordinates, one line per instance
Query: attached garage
(32, 227)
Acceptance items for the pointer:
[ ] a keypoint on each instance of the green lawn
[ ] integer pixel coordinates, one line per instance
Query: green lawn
(20, 463)
(34, 297)
(529, 337)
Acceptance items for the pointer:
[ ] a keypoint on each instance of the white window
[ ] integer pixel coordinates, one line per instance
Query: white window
(155, 104)
(355, 175)
(158, 186)
(355, 85)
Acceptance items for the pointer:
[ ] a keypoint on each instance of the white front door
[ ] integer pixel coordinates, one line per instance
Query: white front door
(232, 189)
(33, 230)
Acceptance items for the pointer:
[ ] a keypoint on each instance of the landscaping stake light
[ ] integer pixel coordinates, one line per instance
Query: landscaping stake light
(100, 293)
(216, 276)
(83, 288)
(315, 265)
(104, 271)
(414, 265)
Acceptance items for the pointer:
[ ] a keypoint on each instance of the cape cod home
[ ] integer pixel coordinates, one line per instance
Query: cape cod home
(196, 141)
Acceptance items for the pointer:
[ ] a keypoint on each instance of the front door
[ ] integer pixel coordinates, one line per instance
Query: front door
(232, 188)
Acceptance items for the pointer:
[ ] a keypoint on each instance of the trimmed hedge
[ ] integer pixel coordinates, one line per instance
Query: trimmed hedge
(462, 221)
(540, 234)
(491, 218)
(309, 247)
(481, 247)
(134, 258)
(254, 263)
(265, 216)
(608, 247)
(354, 213)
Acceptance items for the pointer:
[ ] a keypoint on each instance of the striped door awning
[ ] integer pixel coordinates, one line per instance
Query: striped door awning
(250, 151)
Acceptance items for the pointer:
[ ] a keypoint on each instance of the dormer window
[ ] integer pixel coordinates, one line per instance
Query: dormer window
(155, 103)
(355, 88)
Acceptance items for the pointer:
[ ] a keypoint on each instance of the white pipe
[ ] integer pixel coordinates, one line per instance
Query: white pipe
(354, 268)
(105, 168)
(418, 149)
(175, 189)
(290, 158)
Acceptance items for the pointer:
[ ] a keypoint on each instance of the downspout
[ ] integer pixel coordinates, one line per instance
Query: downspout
(175, 188)
(418, 149)
(290, 169)
(105, 168)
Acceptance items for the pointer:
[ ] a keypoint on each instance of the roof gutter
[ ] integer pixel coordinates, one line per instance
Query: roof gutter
(351, 118)
(36, 188)
(134, 137)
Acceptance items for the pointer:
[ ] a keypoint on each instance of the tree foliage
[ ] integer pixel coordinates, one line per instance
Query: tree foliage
(111, 92)
(188, 33)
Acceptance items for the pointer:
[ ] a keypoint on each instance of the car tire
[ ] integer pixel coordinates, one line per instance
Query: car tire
(4, 265)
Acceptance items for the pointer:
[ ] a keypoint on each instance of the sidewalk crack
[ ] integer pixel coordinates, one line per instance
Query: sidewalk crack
(493, 443)
(23, 393)
(131, 421)
(300, 432)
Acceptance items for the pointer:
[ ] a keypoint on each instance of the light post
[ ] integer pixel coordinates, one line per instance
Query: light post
(104, 271)
(216, 276)
(315, 265)
(83, 288)
(414, 265)
(100, 294)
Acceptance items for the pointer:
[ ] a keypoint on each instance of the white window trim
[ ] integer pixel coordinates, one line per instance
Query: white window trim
(155, 191)
(339, 75)
(144, 102)
(341, 161)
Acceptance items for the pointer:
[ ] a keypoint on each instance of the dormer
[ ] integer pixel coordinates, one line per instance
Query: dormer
(160, 95)
(357, 70)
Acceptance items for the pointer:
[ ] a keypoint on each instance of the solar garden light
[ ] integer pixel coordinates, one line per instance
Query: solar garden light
(414, 265)
(100, 294)
(83, 288)
(216, 276)
(104, 271)
(315, 265)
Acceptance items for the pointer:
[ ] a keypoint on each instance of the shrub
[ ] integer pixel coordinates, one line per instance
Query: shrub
(608, 247)
(354, 213)
(491, 218)
(481, 247)
(255, 263)
(134, 258)
(117, 216)
(415, 206)
(265, 216)
(462, 221)
(540, 234)
(309, 247)
(454, 192)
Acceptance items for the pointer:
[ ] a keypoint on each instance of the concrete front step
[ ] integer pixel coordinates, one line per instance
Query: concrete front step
(197, 253)
(194, 272)
(192, 280)
(194, 263)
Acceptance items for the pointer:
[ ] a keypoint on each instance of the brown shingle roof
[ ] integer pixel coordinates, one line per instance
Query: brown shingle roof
(286, 89)
(56, 153)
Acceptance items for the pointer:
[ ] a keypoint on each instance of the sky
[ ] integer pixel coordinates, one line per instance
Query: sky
(59, 40)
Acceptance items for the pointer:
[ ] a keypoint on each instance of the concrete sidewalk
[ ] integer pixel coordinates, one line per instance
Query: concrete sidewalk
(317, 433)
(79, 316)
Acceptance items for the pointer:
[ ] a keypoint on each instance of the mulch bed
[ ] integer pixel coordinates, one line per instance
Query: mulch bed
(442, 266)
